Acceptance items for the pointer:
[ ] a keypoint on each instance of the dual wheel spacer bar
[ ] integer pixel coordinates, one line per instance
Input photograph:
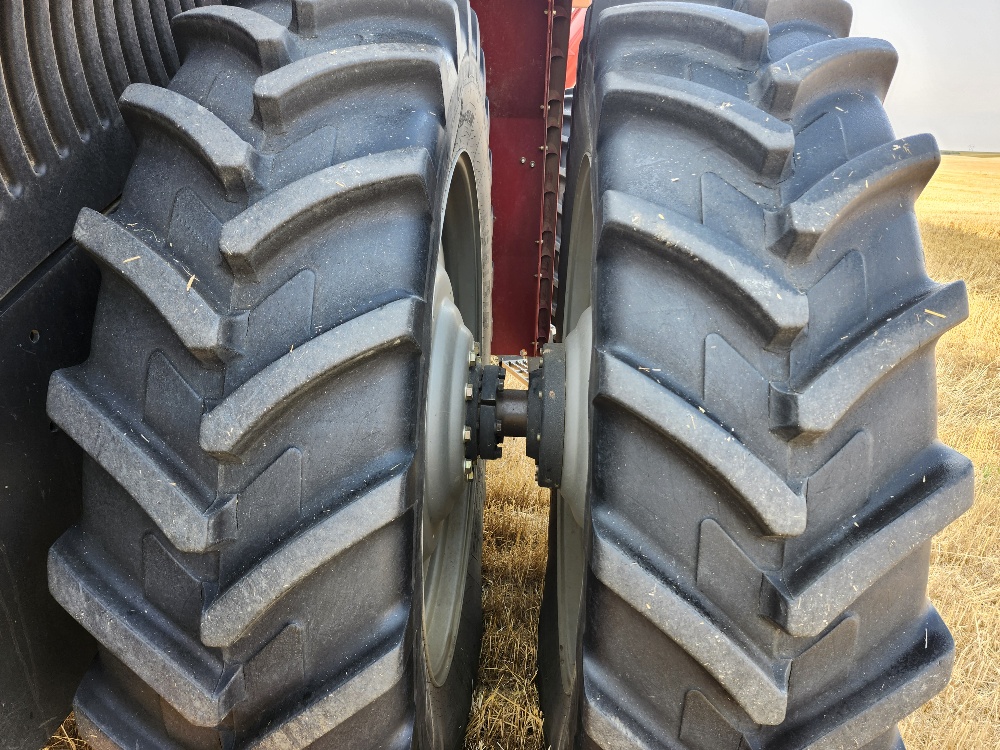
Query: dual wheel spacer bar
(494, 412)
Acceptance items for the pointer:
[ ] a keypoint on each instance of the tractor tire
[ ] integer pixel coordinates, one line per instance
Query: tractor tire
(742, 561)
(63, 146)
(252, 552)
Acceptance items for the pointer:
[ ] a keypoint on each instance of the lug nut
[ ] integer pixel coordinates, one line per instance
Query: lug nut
(468, 391)
(467, 434)
(469, 473)
(472, 358)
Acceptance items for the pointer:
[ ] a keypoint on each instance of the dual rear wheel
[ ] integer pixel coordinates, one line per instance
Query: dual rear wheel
(281, 537)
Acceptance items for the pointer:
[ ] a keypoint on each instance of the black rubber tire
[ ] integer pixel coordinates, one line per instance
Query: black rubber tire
(252, 408)
(63, 145)
(765, 477)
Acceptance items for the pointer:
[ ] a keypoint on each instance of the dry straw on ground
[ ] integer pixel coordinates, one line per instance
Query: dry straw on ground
(505, 710)
(960, 219)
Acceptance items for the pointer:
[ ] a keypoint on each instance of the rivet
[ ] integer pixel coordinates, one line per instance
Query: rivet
(532, 165)
(523, 160)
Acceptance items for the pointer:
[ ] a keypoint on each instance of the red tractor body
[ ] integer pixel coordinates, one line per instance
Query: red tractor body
(528, 62)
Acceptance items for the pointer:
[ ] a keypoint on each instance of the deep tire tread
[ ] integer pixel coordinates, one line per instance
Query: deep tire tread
(167, 288)
(798, 81)
(767, 298)
(113, 611)
(182, 431)
(235, 611)
(711, 28)
(340, 701)
(286, 95)
(195, 130)
(258, 236)
(446, 22)
(177, 504)
(868, 546)
(266, 43)
(902, 167)
(769, 500)
(759, 687)
(238, 421)
(819, 403)
(813, 572)
(763, 144)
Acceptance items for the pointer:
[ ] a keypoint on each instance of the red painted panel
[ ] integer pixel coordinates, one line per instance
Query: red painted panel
(515, 41)
(524, 71)
(517, 189)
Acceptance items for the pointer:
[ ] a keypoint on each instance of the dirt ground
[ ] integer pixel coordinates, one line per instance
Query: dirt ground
(960, 219)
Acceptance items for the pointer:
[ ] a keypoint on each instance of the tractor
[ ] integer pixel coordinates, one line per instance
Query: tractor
(264, 262)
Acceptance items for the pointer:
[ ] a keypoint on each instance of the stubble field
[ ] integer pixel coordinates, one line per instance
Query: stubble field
(960, 219)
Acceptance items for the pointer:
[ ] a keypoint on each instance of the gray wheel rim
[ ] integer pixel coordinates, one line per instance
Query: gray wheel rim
(572, 496)
(447, 516)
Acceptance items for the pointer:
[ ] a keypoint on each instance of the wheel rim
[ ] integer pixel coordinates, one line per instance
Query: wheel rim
(571, 498)
(450, 480)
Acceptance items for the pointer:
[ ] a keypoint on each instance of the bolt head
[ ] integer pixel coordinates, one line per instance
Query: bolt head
(472, 358)
(468, 391)
(467, 434)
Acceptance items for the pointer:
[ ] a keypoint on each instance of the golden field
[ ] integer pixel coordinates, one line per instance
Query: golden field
(960, 218)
